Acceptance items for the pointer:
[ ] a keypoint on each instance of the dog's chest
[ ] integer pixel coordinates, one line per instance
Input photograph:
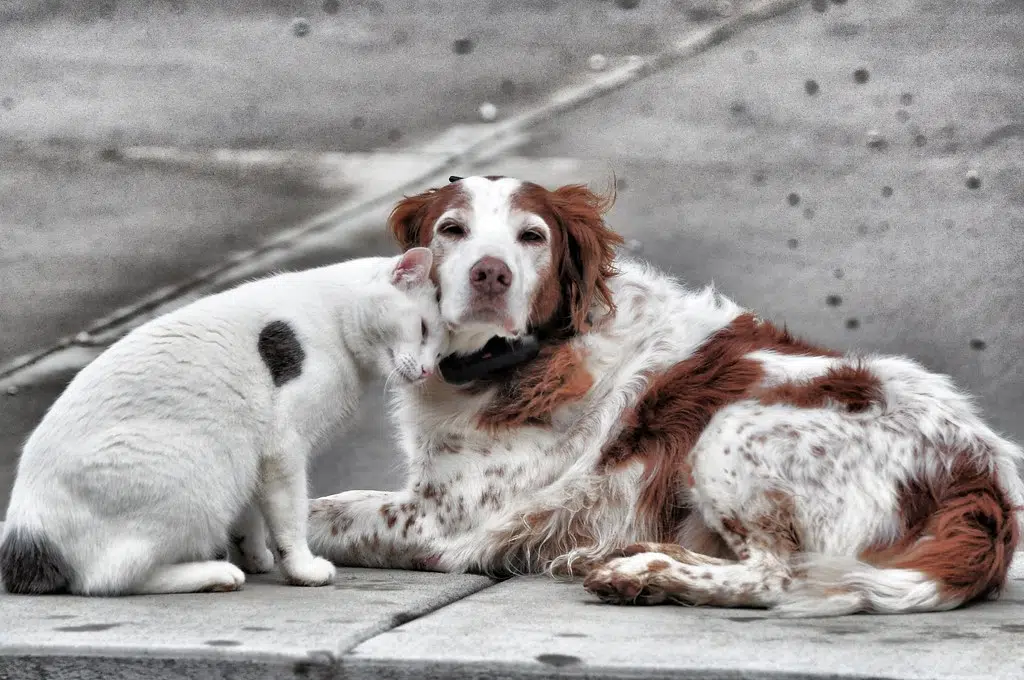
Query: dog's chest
(465, 477)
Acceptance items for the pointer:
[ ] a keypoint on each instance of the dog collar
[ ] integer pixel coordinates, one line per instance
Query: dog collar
(494, 359)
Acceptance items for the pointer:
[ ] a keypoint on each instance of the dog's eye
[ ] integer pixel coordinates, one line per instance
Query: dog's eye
(452, 229)
(532, 236)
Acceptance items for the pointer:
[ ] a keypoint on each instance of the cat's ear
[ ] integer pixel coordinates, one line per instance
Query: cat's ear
(413, 269)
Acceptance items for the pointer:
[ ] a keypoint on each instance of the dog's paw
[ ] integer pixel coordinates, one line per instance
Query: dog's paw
(627, 580)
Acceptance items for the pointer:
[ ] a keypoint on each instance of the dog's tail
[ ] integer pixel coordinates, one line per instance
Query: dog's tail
(957, 545)
(30, 563)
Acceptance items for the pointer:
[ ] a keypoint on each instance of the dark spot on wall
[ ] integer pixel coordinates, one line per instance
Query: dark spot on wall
(819, 5)
(281, 351)
(902, 115)
(833, 300)
(861, 76)
(462, 46)
(559, 660)
(621, 184)
(358, 123)
(793, 244)
(808, 213)
(758, 178)
(1012, 627)
(744, 619)
(811, 87)
(920, 140)
(906, 99)
(886, 191)
(394, 135)
(571, 635)
(955, 635)
(88, 627)
(60, 616)
(507, 87)
(223, 643)
(838, 273)
(331, 6)
(627, 4)
(256, 629)
(973, 180)
(978, 344)
(793, 199)
(853, 323)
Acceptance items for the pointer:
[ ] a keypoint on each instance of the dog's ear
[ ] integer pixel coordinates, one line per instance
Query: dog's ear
(588, 250)
(412, 218)
(406, 219)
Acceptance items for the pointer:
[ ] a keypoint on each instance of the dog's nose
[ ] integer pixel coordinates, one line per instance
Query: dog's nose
(490, 276)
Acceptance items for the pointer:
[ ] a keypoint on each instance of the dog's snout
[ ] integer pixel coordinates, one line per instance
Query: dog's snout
(490, 276)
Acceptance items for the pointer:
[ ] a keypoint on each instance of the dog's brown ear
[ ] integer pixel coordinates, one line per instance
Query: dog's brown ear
(589, 250)
(406, 220)
(412, 218)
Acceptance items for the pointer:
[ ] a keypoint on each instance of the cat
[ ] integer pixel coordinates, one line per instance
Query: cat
(133, 479)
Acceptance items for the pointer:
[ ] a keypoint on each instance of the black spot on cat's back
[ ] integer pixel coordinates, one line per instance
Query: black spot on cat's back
(281, 351)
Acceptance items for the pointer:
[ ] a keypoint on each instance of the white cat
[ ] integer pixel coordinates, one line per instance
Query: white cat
(133, 479)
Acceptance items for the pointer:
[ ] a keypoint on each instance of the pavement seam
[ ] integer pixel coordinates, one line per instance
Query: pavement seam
(405, 617)
(494, 141)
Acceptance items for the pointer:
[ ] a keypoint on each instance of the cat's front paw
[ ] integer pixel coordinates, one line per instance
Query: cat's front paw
(311, 571)
(258, 560)
(252, 555)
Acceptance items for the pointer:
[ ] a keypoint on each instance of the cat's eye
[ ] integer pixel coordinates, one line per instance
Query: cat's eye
(451, 229)
(423, 328)
(532, 236)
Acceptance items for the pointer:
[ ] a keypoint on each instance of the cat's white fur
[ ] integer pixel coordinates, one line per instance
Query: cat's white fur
(133, 479)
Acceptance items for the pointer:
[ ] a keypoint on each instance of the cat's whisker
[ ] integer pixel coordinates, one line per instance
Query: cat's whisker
(387, 380)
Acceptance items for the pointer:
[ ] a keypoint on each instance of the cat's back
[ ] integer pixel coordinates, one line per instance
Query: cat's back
(195, 364)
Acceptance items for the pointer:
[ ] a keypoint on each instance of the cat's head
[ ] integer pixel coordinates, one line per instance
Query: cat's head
(412, 335)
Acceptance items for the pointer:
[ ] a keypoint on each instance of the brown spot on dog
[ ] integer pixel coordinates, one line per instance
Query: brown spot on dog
(389, 514)
(655, 566)
(778, 529)
(971, 528)
(851, 387)
(555, 378)
(678, 405)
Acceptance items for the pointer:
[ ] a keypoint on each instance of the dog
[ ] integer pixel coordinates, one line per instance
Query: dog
(598, 418)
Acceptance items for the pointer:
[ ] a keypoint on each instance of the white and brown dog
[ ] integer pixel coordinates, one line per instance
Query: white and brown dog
(663, 441)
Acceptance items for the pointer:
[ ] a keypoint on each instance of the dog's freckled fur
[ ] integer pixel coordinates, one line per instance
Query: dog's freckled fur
(674, 447)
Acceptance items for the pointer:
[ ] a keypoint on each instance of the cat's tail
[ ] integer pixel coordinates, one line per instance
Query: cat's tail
(30, 563)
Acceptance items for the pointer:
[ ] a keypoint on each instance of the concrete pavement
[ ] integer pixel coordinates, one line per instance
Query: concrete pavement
(376, 624)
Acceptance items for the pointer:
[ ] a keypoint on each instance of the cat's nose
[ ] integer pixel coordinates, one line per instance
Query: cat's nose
(426, 372)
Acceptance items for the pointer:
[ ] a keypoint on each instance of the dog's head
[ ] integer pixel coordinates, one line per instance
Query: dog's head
(511, 257)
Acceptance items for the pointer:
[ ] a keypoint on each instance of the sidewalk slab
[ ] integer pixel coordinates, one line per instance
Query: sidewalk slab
(536, 627)
(268, 629)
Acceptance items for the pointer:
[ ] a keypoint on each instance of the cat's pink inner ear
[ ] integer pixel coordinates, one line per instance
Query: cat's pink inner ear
(413, 268)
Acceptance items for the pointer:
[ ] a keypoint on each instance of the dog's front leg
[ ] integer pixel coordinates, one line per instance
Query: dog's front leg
(383, 529)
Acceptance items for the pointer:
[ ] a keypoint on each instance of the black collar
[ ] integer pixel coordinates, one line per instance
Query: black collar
(494, 360)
